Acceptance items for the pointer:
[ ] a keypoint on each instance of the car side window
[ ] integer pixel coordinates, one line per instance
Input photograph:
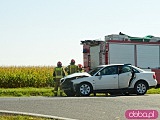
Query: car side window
(134, 70)
(126, 69)
(110, 70)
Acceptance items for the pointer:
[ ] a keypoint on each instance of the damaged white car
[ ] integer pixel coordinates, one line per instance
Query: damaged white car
(112, 79)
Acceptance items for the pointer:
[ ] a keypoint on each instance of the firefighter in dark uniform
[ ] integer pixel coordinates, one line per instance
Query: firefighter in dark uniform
(57, 75)
(72, 68)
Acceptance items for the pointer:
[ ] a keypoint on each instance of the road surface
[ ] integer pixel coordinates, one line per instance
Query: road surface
(82, 108)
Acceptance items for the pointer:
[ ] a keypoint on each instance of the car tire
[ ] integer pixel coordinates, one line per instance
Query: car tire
(84, 89)
(141, 88)
(69, 93)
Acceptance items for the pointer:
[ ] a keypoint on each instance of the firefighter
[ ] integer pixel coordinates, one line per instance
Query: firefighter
(80, 68)
(72, 68)
(57, 75)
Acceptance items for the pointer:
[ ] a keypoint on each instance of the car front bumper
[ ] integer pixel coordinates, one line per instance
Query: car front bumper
(67, 85)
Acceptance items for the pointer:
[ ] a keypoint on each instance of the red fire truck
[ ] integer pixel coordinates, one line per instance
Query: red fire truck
(143, 52)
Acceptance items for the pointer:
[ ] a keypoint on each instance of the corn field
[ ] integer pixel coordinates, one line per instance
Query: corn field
(22, 76)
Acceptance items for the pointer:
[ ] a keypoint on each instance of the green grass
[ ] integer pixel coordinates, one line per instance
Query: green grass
(154, 91)
(18, 92)
(19, 117)
(23, 92)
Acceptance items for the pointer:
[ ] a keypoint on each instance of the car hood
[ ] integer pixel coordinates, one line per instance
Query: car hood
(77, 74)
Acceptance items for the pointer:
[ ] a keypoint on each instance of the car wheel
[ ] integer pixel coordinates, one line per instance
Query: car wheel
(141, 88)
(84, 89)
(69, 93)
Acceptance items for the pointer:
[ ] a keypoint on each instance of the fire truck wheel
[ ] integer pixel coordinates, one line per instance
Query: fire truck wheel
(84, 89)
(141, 88)
(69, 93)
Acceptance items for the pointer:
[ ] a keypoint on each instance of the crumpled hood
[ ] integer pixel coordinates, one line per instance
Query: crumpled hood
(77, 74)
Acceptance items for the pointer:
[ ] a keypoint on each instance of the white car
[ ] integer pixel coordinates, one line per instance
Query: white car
(112, 79)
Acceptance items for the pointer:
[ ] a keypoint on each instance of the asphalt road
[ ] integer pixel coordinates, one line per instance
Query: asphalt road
(82, 108)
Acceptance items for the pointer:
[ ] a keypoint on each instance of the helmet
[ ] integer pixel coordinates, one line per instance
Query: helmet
(80, 66)
(72, 62)
(59, 64)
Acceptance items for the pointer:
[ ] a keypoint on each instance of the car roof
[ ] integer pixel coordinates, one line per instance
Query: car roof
(111, 65)
(139, 69)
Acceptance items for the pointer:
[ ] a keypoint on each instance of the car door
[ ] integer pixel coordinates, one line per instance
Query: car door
(107, 78)
(125, 75)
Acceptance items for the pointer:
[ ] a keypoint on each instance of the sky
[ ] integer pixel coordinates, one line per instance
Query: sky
(43, 32)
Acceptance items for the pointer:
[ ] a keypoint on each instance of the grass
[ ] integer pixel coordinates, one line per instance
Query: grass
(23, 92)
(19, 117)
(18, 92)
(154, 91)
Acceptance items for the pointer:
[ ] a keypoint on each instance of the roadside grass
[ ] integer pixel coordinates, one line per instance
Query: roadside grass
(19, 92)
(20, 117)
(48, 92)
(154, 91)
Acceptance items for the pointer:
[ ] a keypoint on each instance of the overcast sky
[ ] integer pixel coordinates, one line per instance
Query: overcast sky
(43, 32)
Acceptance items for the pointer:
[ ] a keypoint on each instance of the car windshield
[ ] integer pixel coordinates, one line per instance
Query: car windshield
(95, 70)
